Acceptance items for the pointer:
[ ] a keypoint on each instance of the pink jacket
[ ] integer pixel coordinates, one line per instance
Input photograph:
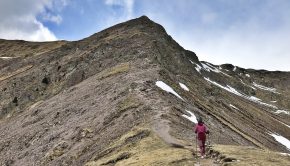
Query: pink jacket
(201, 131)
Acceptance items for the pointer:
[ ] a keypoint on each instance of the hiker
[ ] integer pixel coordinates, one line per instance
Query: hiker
(201, 130)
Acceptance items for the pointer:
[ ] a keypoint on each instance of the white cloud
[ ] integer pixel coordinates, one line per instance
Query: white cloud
(128, 4)
(128, 13)
(19, 19)
(26, 29)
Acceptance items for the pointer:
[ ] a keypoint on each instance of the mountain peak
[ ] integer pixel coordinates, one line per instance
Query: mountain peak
(144, 18)
(141, 24)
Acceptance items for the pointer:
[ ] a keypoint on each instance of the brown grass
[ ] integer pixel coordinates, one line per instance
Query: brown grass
(129, 103)
(247, 156)
(144, 149)
(114, 70)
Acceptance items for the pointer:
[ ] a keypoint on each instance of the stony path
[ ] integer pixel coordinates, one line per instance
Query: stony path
(199, 161)
(206, 162)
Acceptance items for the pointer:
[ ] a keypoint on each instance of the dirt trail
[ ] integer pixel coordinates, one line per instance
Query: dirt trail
(206, 162)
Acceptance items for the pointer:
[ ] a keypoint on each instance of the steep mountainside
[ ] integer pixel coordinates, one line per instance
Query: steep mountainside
(129, 95)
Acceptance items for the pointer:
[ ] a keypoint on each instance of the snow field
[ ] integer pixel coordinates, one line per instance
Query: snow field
(282, 140)
(167, 88)
(234, 91)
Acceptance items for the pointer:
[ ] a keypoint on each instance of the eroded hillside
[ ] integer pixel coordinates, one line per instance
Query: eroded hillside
(129, 95)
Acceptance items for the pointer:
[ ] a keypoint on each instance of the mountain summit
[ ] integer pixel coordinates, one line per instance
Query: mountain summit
(130, 95)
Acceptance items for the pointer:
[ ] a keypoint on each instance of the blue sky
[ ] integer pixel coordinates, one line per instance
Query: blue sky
(246, 33)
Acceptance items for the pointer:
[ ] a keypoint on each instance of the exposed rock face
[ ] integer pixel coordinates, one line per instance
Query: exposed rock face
(88, 101)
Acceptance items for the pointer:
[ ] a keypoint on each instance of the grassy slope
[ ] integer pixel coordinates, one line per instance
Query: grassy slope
(143, 147)
(246, 155)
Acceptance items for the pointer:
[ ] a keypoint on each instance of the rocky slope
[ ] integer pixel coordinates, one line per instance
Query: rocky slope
(103, 101)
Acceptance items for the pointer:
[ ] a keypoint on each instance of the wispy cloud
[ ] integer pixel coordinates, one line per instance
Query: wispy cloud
(52, 18)
(127, 12)
(127, 4)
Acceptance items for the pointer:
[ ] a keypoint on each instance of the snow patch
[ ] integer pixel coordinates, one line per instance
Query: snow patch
(284, 124)
(252, 87)
(282, 112)
(192, 117)
(248, 75)
(191, 61)
(247, 85)
(273, 101)
(234, 107)
(198, 68)
(235, 68)
(167, 88)
(255, 98)
(3, 57)
(282, 140)
(208, 67)
(265, 88)
(243, 82)
(183, 86)
(285, 154)
(234, 91)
